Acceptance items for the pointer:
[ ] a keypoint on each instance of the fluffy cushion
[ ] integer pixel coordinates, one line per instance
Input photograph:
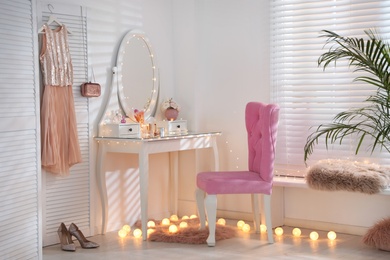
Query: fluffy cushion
(349, 176)
(378, 236)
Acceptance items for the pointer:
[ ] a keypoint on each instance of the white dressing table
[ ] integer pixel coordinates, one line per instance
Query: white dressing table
(144, 147)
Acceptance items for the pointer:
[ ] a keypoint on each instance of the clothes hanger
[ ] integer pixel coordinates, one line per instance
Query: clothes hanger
(53, 19)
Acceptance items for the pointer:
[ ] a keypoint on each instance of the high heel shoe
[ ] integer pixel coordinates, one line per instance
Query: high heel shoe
(74, 231)
(65, 239)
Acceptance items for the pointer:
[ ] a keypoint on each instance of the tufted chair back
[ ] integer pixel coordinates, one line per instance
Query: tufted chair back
(261, 125)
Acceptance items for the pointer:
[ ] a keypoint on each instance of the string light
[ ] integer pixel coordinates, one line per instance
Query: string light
(193, 216)
(165, 222)
(332, 235)
(122, 233)
(221, 221)
(278, 231)
(183, 224)
(172, 229)
(240, 224)
(263, 228)
(314, 235)
(185, 217)
(174, 218)
(126, 228)
(296, 232)
(137, 233)
(151, 224)
(246, 228)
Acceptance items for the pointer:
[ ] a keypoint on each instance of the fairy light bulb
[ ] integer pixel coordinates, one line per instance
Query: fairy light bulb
(193, 216)
(314, 235)
(263, 228)
(151, 224)
(184, 217)
(221, 221)
(137, 233)
(126, 228)
(246, 228)
(174, 218)
(165, 222)
(240, 224)
(278, 231)
(296, 232)
(172, 229)
(122, 233)
(150, 231)
(183, 224)
(332, 235)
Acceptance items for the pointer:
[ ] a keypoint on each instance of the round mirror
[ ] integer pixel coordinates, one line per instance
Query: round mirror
(137, 75)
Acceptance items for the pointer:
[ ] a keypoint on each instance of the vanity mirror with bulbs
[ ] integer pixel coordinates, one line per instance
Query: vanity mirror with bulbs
(128, 123)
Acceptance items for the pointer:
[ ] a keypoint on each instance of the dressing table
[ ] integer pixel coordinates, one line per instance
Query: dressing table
(135, 85)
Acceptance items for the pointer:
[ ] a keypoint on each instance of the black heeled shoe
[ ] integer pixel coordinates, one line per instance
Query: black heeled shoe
(75, 231)
(65, 239)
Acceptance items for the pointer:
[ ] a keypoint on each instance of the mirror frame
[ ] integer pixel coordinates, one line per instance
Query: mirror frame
(151, 105)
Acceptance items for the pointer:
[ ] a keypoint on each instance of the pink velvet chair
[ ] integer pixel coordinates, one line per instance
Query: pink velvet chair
(261, 124)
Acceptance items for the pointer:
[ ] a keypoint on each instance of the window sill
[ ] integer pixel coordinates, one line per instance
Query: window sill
(299, 182)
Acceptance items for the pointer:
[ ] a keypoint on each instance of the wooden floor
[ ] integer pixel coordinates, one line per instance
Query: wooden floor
(244, 246)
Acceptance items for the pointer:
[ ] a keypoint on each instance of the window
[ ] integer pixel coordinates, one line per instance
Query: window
(308, 95)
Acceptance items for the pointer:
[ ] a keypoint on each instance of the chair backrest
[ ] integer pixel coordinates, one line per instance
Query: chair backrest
(261, 125)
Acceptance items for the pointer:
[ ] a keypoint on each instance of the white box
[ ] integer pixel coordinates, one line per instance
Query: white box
(175, 127)
(129, 130)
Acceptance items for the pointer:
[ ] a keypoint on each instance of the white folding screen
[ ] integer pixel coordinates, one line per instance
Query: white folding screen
(20, 234)
(67, 199)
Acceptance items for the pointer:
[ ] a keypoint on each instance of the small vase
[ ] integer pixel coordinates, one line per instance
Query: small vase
(171, 114)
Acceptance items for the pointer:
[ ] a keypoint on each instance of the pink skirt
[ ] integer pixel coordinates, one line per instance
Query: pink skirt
(60, 144)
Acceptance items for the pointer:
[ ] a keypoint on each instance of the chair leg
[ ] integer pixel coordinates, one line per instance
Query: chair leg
(256, 213)
(200, 196)
(267, 215)
(211, 209)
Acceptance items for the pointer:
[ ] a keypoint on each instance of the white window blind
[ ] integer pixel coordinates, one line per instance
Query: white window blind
(307, 95)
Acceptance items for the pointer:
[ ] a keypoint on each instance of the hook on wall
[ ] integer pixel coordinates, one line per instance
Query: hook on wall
(50, 7)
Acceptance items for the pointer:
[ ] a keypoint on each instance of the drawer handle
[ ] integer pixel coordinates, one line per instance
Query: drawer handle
(130, 129)
(178, 126)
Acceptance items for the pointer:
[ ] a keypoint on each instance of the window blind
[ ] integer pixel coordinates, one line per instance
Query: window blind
(308, 95)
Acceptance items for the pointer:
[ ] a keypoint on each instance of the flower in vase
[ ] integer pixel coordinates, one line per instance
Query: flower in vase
(139, 116)
(169, 104)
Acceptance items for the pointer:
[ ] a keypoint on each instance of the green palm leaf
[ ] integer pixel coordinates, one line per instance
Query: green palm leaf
(370, 56)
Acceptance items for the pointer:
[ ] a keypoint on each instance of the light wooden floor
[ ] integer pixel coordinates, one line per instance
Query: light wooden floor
(244, 246)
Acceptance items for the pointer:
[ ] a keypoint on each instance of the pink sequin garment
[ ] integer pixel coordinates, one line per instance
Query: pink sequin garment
(60, 144)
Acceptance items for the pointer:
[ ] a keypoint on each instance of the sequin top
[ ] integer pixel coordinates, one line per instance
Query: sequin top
(56, 63)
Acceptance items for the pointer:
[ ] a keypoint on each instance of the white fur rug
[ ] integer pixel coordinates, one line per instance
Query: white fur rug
(349, 176)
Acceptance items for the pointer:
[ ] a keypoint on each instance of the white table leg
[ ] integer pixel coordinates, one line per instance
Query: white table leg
(143, 160)
(216, 155)
(101, 182)
(174, 180)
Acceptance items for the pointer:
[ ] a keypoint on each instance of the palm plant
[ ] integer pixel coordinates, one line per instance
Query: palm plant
(370, 56)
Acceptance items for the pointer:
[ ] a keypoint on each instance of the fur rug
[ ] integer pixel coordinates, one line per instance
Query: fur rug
(188, 235)
(378, 236)
(349, 176)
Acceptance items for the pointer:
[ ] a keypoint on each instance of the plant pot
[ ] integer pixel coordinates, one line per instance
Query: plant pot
(171, 114)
